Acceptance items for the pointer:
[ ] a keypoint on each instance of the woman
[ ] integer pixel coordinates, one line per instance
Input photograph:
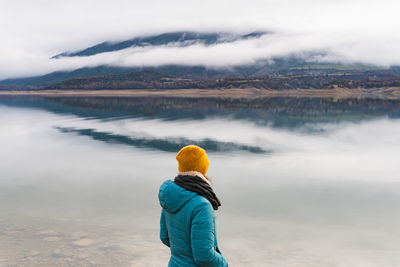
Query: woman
(187, 222)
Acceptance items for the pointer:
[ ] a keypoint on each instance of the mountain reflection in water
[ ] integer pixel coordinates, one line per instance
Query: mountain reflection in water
(277, 111)
(168, 145)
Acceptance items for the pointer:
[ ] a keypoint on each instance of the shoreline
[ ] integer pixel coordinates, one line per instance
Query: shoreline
(335, 93)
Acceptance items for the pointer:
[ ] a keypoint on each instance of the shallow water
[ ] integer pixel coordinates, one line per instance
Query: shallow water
(302, 182)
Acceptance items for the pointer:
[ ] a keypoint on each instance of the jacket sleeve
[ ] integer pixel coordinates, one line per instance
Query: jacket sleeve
(202, 238)
(163, 230)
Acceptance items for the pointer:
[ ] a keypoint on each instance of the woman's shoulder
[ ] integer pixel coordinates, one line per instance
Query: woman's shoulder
(200, 203)
(202, 211)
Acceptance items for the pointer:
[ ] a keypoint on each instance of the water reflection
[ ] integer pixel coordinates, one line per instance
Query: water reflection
(167, 145)
(79, 179)
(277, 112)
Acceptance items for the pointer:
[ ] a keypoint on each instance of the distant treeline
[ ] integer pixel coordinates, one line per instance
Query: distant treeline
(295, 78)
(150, 79)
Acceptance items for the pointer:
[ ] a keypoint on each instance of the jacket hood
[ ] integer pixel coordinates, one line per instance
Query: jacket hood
(172, 197)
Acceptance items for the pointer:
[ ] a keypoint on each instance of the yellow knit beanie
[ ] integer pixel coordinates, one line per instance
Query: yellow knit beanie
(192, 158)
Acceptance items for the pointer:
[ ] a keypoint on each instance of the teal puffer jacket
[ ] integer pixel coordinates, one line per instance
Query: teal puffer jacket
(187, 226)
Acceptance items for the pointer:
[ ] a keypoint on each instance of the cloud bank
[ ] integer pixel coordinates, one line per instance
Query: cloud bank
(350, 31)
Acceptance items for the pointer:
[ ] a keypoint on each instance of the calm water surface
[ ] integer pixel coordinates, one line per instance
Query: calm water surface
(303, 182)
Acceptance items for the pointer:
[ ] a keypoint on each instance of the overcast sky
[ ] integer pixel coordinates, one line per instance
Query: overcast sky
(349, 31)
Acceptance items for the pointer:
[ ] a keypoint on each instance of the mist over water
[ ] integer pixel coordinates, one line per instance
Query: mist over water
(299, 187)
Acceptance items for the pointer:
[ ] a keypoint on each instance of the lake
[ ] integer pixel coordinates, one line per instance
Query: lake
(302, 181)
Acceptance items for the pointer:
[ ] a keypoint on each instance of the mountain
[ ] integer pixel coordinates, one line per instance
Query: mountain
(178, 38)
(289, 72)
